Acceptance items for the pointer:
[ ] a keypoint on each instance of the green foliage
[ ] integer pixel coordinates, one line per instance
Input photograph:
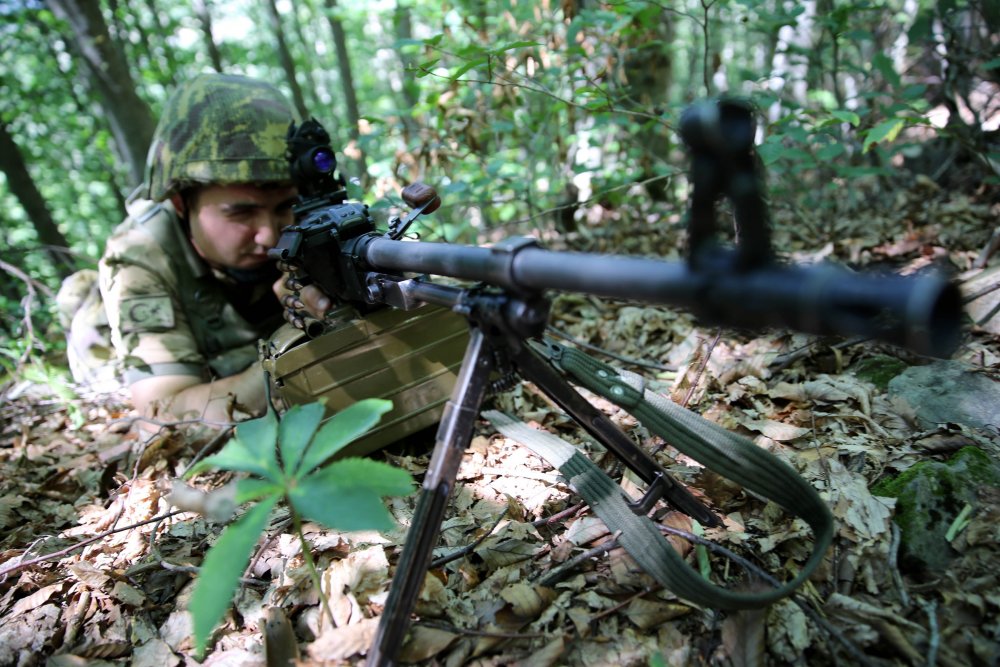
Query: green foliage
(879, 369)
(932, 498)
(503, 105)
(288, 458)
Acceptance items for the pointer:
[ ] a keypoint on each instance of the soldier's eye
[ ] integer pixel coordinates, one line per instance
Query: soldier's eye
(241, 215)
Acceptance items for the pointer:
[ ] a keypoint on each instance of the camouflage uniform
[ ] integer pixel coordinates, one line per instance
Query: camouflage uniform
(165, 311)
(170, 313)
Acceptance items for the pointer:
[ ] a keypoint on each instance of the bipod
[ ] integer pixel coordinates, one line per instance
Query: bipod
(501, 325)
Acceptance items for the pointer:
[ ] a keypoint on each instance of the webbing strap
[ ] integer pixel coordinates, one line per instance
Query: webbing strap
(723, 451)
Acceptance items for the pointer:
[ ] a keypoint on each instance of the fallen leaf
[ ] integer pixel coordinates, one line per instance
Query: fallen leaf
(343, 642)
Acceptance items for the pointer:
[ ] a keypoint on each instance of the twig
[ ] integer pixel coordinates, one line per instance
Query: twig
(23, 565)
(482, 633)
(30, 282)
(784, 360)
(719, 549)
(701, 368)
(624, 603)
(26, 302)
(557, 575)
(194, 569)
(79, 614)
(934, 640)
(558, 516)
(617, 357)
(897, 578)
(129, 421)
(226, 430)
(469, 548)
(275, 532)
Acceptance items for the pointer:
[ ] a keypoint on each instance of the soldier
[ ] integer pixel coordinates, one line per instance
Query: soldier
(186, 284)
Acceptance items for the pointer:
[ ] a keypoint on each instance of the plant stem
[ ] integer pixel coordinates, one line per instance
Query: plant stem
(310, 564)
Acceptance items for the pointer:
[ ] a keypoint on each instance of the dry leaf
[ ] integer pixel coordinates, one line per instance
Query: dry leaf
(344, 642)
(648, 614)
(424, 642)
(775, 430)
(527, 601)
(154, 653)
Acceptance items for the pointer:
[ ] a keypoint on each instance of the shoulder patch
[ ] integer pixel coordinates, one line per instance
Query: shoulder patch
(146, 313)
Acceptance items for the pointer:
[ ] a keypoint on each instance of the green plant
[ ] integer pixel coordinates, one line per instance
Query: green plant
(287, 460)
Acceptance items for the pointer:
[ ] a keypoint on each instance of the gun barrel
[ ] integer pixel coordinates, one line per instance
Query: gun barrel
(922, 313)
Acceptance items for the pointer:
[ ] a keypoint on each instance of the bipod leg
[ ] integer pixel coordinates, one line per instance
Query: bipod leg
(453, 436)
(533, 367)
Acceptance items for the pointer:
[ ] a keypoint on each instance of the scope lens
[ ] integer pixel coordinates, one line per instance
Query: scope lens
(324, 161)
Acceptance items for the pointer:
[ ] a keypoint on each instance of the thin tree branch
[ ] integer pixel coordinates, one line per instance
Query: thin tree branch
(17, 567)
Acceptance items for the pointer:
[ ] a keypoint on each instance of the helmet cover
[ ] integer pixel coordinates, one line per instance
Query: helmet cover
(222, 129)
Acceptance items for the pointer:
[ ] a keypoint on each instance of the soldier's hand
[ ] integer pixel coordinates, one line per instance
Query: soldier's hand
(301, 301)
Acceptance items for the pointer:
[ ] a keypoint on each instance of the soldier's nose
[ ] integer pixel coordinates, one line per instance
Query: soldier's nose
(267, 235)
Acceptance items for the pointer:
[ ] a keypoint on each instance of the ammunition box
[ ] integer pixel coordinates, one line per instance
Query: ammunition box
(409, 357)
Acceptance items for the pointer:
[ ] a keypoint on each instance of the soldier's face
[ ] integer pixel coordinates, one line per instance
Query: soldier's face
(234, 226)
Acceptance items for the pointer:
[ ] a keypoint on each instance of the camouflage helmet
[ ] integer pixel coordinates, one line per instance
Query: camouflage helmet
(222, 129)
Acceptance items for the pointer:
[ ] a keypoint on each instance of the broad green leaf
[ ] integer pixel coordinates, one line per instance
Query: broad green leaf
(249, 489)
(236, 457)
(771, 151)
(260, 435)
(221, 571)
(465, 67)
(846, 116)
(513, 45)
(347, 495)
(884, 131)
(830, 151)
(884, 64)
(427, 65)
(916, 91)
(827, 99)
(297, 428)
(340, 430)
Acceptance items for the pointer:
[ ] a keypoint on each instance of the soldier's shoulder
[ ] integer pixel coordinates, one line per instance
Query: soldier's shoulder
(143, 232)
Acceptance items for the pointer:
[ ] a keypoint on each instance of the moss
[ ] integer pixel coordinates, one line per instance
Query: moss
(879, 369)
(929, 497)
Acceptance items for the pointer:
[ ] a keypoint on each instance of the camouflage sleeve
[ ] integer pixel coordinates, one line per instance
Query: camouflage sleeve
(149, 330)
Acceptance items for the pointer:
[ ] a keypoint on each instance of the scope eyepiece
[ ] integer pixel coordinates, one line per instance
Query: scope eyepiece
(323, 160)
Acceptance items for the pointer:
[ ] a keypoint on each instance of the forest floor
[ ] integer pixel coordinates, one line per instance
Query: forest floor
(94, 572)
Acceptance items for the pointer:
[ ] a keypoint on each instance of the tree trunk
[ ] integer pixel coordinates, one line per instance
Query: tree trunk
(408, 86)
(649, 70)
(203, 11)
(23, 187)
(285, 56)
(306, 58)
(81, 107)
(347, 83)
(131, 119)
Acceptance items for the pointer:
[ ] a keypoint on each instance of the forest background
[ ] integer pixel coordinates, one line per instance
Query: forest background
(523, 114)
(878, 127)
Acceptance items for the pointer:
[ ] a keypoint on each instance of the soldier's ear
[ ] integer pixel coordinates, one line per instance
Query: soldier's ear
(180, 204)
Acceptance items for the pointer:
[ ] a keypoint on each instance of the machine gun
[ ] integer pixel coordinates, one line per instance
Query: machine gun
(334, 243)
